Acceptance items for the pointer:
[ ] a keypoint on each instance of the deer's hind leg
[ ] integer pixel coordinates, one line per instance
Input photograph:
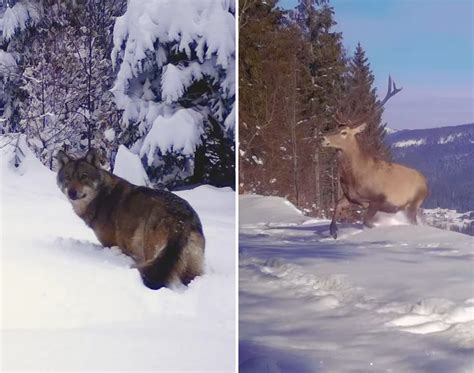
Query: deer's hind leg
(412, 210)
(370, 214)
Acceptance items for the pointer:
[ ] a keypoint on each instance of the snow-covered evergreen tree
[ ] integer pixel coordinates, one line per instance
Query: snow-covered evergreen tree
(175, 83)
(16, 17)
(19, 15)
(8, 82)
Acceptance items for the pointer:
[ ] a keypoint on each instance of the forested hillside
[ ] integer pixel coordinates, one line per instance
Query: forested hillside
(295, 80)
(445, 156)
(77, 74)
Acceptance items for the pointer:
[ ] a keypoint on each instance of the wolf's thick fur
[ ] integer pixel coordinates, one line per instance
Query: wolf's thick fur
(158, 229)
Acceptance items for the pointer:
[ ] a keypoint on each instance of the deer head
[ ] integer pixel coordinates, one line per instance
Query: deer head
(343, 137)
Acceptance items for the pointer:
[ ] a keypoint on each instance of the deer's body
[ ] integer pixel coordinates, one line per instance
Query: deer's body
(373, 183)
(365, 179)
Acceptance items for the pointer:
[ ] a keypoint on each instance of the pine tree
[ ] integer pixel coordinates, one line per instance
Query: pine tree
(175, 85)
(258, 20)
(273, 75)
(360, 104)
(327, 65)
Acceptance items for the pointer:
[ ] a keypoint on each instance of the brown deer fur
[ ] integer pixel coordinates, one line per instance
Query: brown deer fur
(371, 182)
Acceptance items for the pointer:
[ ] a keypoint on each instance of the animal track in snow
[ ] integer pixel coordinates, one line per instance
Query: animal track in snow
(327, 291)
(434, 315)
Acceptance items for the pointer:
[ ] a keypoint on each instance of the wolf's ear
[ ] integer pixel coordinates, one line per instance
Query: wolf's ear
(62, 158)
(93, 157)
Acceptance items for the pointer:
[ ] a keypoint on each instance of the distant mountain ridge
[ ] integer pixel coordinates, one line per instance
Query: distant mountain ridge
(445, 155)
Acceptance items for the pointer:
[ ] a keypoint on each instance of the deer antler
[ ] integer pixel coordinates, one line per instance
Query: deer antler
(392, 90)
(338, 118)
(342, 120)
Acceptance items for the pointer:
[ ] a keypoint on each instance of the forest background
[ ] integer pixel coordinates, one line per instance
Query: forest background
(80, 74)
(296, 80)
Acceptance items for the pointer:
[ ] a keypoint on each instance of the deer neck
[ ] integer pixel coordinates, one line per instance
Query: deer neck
(352, 159)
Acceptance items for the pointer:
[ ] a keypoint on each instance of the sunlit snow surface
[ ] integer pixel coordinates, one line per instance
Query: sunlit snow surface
(68, 303)
(395, 298)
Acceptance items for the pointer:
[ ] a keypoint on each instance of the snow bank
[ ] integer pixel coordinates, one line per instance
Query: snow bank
(129, 167)
(68, 303)
(393, 298)
(256, 209)
(22, 167)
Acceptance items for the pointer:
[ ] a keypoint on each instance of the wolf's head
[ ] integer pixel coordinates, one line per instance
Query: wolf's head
(79, 179)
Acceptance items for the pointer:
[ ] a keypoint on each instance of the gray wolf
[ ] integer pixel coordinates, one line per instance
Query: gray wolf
(158, 229)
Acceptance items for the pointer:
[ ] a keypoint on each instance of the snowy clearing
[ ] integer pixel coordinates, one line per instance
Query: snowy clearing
(395, 298)
(68, 303)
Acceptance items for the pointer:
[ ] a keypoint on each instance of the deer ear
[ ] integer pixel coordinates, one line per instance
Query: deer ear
(359, 128)
(93, 157)
(62, 158)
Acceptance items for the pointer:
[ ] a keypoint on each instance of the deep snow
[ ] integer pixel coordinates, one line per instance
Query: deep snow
(395, 298)
(68, 303)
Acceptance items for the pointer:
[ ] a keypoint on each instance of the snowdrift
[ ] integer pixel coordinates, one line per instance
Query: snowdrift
(68, 303)
(257, 209)
(393, 298)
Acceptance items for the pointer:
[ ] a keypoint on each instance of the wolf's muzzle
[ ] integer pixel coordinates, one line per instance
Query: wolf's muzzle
(73, 195)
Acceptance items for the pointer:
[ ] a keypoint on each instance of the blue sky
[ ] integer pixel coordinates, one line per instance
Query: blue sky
(427, 47)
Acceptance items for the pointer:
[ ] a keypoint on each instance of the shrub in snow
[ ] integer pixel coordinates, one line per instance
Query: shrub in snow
(175, 63)
(59, 96)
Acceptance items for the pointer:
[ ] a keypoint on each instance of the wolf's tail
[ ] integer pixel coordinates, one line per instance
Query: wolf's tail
(158, 273)
(181, 259)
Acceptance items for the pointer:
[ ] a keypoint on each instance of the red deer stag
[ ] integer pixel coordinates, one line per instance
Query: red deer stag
(370, 182)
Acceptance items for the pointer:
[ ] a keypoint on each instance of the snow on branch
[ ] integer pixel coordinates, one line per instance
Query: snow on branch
(18, 17)
(180, 131)
(175, 63)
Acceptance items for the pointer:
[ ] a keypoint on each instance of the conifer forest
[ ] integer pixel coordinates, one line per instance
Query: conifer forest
(296, 80)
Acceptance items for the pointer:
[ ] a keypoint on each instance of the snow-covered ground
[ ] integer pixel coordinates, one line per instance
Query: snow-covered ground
(68, 303)
(395, 298)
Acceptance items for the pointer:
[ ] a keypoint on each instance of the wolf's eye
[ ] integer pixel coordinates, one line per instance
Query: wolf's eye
(84, 176)
(344, 133)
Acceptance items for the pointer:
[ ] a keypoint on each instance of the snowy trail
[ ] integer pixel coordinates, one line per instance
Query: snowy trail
(392, 298)
(69, 303)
